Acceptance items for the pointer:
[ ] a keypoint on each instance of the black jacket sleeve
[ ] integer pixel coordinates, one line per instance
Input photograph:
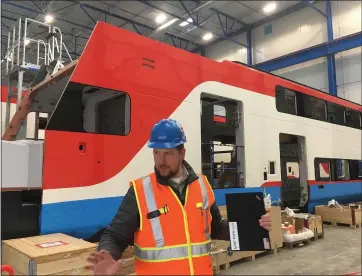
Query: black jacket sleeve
(120, 233)
(219, 225)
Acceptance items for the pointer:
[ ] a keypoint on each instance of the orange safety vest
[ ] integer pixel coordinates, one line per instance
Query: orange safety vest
(172, 238)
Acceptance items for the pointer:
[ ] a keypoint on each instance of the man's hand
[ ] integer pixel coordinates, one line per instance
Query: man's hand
(265, 221)
(102, 263)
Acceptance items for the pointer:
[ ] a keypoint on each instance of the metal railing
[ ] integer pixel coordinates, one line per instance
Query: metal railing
(19, 38)
(22, 40)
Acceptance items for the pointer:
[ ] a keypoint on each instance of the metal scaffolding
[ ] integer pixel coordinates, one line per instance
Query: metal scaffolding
(23, 70)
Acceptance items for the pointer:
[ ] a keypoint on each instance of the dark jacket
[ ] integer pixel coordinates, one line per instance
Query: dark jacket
(120, 233)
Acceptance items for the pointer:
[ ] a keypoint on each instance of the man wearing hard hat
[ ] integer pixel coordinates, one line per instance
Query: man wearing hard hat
(170, 215)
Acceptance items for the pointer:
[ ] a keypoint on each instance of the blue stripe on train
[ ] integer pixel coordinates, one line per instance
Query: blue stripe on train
(342, 192)
(83, 218)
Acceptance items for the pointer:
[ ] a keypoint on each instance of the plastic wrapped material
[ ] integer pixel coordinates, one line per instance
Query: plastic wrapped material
(267, 201)
(289, 212)
(21, 164)
(302, 235)
(334, 204)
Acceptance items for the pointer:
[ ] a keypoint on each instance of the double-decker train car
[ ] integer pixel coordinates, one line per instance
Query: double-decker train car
(247, 130)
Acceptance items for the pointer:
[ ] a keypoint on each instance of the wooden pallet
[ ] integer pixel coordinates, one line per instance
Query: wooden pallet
(317, 236)
(291, 245)
(224, 261)
(334, 223)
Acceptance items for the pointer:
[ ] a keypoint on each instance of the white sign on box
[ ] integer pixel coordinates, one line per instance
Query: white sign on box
(234, 236)
(51, 244)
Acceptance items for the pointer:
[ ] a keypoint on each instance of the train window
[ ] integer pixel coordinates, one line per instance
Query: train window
(300, 104)
(353, 118)
(84, 108)
(322, 169)
(336, 114)
(342, 169)
(219, 114)
(311, 107)
(271, 167)
(355, 169)
(292, 170)
(286, 100)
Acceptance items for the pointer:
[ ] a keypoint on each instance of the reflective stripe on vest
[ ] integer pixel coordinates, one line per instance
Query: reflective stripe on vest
(205, 199)
(200, 249)
(151, 206)
(171, 253)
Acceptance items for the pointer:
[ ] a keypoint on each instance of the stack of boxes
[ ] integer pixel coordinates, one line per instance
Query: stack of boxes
(304, 220)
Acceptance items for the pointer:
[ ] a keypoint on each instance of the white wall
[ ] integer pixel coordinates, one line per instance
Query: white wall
(301, 30)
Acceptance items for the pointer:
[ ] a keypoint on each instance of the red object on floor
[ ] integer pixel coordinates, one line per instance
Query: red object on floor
(8, 269)
(354, 273)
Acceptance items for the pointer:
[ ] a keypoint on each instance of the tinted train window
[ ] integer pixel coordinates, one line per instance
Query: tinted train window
(336, 114)
(311, 107)
(89, 109)
(300, 104)
(286, 100)
(353, 118)
(342, 169)
(355, 169)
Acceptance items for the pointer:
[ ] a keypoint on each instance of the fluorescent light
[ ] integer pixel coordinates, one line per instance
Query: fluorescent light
(270, 7)
(169, 23)
(207, 36)
(49, 18)
(185, 23)
(27, 41)
(160, 18)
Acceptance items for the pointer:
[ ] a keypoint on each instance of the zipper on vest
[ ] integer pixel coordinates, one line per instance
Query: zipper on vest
(186, 229)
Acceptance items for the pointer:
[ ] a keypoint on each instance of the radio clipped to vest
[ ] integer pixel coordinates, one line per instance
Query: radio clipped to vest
(154, 214)
(200, 207)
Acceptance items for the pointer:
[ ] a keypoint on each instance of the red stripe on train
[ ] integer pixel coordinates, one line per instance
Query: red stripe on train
(310, 182)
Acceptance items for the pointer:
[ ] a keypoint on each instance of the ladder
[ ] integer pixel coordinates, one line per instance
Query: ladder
(25, 74)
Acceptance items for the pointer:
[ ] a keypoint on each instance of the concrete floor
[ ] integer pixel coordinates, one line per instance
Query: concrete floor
(338, 253)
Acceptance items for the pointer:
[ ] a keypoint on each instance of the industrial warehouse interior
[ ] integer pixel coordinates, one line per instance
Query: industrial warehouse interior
(181, 137)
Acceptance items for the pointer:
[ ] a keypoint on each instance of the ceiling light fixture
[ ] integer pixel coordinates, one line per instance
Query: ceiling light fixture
(27, 41)
(185, 23)
(207, 36)
(160, 18)
(270, 7)
(49, 18)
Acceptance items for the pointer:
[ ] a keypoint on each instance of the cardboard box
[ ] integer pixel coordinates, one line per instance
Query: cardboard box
(310, 221)
(128, 253)
(315, 224)
(54, 254)
(285, 218)
(127, 266)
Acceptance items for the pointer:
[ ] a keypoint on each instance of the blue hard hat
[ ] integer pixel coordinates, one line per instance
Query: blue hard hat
(167, 134)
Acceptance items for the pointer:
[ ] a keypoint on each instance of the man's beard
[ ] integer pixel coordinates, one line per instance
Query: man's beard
(169, 173)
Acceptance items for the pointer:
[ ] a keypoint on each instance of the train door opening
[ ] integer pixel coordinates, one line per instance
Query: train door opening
(222, 141)
(294, 188)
